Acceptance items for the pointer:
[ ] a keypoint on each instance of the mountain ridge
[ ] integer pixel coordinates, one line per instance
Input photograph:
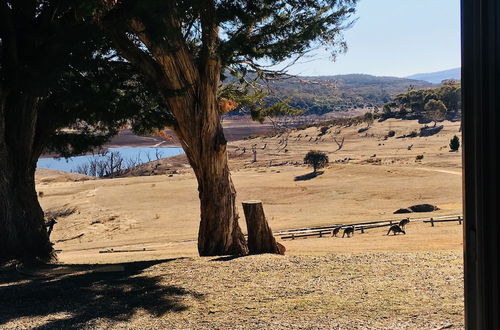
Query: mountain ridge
(438, 76)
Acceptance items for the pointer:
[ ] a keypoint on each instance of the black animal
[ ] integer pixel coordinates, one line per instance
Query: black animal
(335, 231)
(396, 229)
(349, 231)
(50, 225)
(404, 222)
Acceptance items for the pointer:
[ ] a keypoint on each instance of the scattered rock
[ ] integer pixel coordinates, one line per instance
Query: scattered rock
(418, 208)
(423, 208)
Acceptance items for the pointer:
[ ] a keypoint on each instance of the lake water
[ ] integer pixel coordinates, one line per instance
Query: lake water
(139, 155)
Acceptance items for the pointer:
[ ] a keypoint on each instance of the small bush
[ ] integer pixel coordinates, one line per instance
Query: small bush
(323, 130)
(419, 157)
(454, 143)
(368, 119)
(316, 159)
(391, 133)
(412, 134)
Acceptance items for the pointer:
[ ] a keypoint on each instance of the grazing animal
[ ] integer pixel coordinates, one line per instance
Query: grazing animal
(404, 222)
(349, 231)
(50, 225)
(396, 229)
(335, 231)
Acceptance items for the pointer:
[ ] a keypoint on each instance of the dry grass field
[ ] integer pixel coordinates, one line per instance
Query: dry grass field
(369, 281)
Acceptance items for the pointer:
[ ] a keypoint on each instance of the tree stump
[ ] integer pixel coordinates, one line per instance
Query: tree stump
(260, 236)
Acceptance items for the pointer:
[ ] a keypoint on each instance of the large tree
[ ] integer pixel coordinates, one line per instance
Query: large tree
(56, 72)
(184, 47)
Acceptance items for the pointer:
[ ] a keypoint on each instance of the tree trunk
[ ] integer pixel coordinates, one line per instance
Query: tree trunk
(260, 235)
(219, 232)
(22, 229)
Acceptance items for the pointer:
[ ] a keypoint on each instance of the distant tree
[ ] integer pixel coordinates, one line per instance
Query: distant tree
(435, 110)
(368, 119)
(185, 48)
(414, 100)
(450, 94)
(324, 129)
(316, 159)
(454, 143)
(389, 108)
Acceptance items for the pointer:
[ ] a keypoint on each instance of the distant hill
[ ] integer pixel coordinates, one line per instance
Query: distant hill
(322, 94)
(437, 77)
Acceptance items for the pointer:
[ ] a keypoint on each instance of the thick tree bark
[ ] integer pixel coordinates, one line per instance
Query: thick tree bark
(22, 229)
(219, 232)
(260, 235)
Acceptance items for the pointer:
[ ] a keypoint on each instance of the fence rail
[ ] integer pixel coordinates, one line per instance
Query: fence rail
(360, 226)
(433, 220)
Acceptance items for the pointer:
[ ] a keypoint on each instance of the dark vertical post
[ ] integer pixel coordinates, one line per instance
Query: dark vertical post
(481, 133)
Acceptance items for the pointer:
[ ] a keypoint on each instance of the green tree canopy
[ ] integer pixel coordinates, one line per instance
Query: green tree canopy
(435, 110)
(413, 101)
(316, 159)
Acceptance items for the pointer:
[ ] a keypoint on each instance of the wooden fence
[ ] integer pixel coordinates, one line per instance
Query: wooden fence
(360, 226)
(434, 220)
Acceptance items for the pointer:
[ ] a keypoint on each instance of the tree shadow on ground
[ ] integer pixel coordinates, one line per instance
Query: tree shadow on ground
(108, 292)
(429, 131)
(229, 258)
(308, 176)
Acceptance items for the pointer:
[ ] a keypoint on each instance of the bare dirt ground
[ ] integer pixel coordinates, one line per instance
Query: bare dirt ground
(235, 128)
(369, 281)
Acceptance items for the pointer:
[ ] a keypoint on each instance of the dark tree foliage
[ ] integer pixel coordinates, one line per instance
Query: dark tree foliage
(61, 89)
(435, 111)
(185, 48)
(454, 143)
(413, 101)
(368, 118)
(316, 159)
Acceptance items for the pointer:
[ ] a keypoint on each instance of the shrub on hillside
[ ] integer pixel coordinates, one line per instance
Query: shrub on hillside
(454, 143)
(323, 130)
(316, 159)
(412, 134)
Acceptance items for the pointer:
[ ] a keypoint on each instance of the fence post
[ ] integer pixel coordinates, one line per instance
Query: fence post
(362, 230)
(432, 222)
(459, 220)
(293, 236)
(320, 234)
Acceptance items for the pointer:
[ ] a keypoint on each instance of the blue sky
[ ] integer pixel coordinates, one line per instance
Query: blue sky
(395, 38)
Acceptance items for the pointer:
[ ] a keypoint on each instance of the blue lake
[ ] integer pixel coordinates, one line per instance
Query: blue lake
(138, 155)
